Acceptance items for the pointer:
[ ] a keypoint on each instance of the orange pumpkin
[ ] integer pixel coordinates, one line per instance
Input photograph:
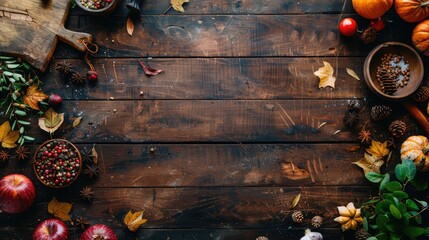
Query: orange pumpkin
(372, 9)
(420, 37)
(412, 10)
(416, 149)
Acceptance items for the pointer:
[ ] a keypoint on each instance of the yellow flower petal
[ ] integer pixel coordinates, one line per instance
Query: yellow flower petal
(357, 214)
(344, 211)
(351, 208)
(342, 219)
(346, 226)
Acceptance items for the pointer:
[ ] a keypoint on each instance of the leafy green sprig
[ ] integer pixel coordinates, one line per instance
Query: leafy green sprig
(15, 77)
(395, 214)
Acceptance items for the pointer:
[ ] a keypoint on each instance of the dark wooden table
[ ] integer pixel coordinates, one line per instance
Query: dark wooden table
(238, 97)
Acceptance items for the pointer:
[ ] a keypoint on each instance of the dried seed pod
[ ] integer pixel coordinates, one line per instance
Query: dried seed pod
(361, 234)
(297, 217)
(397, 128)
(317, 221)
(369, 35)
(422, 94)
(351, 119)
(380, 112)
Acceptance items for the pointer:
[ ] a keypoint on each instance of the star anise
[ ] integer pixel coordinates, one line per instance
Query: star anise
(77, 78)
(82, 222)
(351, 119)
(64, 68)
(364, 135)
(91, 170)
(87, 155)
(22, 153)
(86, 193)
(4, 155)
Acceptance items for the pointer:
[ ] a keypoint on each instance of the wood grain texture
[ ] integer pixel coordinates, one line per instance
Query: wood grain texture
(227, 36)
(226, 207)
(210, 78)
(204, 121)
(193, 165)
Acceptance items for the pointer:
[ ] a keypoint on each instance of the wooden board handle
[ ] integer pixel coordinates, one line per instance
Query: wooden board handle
(75, 39)
(417, 115)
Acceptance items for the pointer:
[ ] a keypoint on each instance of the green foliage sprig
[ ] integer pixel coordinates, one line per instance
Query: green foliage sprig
(15, 77)
(395, 213)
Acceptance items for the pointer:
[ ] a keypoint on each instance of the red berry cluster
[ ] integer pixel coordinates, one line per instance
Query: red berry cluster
(57, 163)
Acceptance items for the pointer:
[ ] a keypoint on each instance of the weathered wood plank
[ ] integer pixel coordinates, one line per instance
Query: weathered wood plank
(241, 7)
(186, 234)
(210, 78)
(227, 36)
(249, 207)
(204, 121)
(177, 165)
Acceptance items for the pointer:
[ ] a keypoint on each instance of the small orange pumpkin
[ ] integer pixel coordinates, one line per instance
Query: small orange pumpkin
(416, 148)
(412, 10)
(372, 9)
(420, 37)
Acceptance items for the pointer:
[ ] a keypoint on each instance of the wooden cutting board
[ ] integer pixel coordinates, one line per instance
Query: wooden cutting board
(30, 29)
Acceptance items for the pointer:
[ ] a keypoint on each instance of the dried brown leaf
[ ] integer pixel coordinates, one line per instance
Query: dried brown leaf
(130, 26)
(134, 220)
(34, 96)
(295, 201)
(59, 209)
(352, 73)
(77, 121)
(178, 5)
(149, 71)
(370, 163)
(291, 171)
(353, 148)
(94, 155)
(325, 75)
(51, 121)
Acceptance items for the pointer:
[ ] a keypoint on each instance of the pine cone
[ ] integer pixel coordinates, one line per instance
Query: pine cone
(380, 112)
(361, 234)
(422, 94)
(397, 128)
(316, 221)
(351, 119)
(297, 217)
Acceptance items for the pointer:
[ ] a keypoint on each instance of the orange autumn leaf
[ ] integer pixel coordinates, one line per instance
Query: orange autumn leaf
(130, 26)
(34, 96)
(134, 220)
(59, 209)
(7, 137)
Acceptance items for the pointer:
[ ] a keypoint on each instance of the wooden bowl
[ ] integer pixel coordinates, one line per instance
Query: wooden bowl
(373, 60)
(109, 8)
(45, 156)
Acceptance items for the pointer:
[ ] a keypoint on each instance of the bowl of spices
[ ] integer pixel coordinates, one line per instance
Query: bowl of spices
(393, 70)
(57, 163)
(97, 6)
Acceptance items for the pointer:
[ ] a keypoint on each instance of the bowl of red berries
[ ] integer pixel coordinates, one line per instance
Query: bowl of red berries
(97, 6)
(57, 163)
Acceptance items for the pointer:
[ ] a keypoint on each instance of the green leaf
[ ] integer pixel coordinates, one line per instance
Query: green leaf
(413, 232)
(24, 122)
(20, 113)
(411, 205)
(395, 236)
(383, 182)
(383, 206)
(365, 224)
(395, 212)
(28, 138)
(374, 177)
(400, 173)
(6, 58)
(419, 184)
(423, 203)
(21, 130)
(12, 66)
(391, 227)
(7, 73)
(394, 186)
(400, 195)
(382, 236)
(381, 221)
(402, 208)
(13, 125)
(372, 238)
(410, 169)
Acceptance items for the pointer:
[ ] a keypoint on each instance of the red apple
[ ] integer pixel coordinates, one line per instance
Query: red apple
(51, 229)
(98, 232)
(17, 193)
(55, 100)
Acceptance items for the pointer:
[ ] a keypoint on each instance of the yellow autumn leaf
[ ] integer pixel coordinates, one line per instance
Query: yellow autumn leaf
(134, 220)
(325, 75)
(378, 149)
(34, 96)
(59, 209)
(7, 137)
(370, 163)
(352, 73)
(178, 5)
(51, 121)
